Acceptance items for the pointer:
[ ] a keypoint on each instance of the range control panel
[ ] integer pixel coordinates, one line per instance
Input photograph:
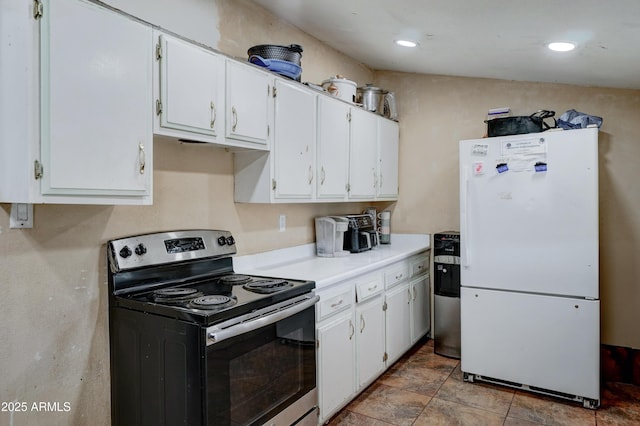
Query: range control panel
(167, 247)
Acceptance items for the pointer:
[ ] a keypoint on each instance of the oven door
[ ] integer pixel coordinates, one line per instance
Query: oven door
(262, 367)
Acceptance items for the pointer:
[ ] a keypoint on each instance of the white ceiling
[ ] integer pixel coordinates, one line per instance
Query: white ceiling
(504, 39)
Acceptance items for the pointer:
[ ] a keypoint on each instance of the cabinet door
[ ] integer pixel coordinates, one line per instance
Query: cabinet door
(388, 144)
(336, 362)
(363, 155)
(332, 149)
(369, 340)
(191, 88)
(398, 322)
(420, 304)
(96, 94)
(294, 141)
(247, 103)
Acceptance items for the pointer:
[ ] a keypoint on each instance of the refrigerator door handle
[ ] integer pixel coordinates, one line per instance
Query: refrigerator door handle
(464, 223)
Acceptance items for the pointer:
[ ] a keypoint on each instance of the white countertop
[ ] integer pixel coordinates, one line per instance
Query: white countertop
(301, 262)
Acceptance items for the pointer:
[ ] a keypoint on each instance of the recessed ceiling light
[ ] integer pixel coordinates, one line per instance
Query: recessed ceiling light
(561, 46)
(406, 43)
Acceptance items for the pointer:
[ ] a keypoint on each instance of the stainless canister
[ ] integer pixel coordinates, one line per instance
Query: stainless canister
(372, 98)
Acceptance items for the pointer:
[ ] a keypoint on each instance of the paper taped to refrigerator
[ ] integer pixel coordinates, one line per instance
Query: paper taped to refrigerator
(523, 154)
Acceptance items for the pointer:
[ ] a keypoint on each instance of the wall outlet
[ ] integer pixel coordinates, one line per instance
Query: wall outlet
(282, 223)
(21, 216)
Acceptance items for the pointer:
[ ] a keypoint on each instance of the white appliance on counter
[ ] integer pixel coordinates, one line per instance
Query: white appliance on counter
(530, 308)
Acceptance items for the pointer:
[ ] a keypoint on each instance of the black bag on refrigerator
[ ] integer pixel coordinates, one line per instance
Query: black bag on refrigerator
(519, 125)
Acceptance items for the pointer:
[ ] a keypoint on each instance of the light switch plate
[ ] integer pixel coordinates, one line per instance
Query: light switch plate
(21, 216)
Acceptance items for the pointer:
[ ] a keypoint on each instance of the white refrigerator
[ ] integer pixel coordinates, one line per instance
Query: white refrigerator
(530, 308)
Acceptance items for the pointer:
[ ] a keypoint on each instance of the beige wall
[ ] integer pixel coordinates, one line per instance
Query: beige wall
(53, 304)
(53, 299)
(437, 111)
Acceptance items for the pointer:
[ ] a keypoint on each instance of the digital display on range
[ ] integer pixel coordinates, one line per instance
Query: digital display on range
(182, 245)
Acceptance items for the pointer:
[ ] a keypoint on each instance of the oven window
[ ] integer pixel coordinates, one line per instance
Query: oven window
(254, 376)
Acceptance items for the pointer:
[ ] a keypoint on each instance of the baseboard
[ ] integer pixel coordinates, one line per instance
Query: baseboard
(620, 364)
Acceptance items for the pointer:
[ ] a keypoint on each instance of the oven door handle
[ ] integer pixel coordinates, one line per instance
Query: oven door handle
(256, 320)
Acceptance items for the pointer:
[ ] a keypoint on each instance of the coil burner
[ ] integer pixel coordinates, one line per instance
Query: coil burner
(215, 301)
(234, 279)
(265, 286)
(174, 295)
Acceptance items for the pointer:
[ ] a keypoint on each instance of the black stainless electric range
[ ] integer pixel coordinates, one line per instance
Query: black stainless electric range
(194, 343)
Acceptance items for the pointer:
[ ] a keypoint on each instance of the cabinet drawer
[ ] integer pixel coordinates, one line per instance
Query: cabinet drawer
(368, 286)
(419, 265)
(396, 274)
(334, 302)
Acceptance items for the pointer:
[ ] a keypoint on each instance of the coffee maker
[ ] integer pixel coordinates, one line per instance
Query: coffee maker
(361, 234)
(330, 236)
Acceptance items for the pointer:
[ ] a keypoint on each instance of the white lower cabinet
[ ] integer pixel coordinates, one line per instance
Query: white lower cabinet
(369, 340)
(420, 312)
(398, 317)
(336, 363)
(365, 324)
(419, 288)
(336, 348)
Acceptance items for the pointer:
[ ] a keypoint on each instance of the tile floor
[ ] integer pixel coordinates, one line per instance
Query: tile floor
(423, 388)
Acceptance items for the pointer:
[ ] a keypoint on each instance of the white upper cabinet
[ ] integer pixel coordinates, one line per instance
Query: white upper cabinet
(96, 134)
(190, 87)
(93, 143)
(248, 104)
(323, 150)
(373, 157)
(388, 145)
(363, 155)
(294, 141)
(332, 150)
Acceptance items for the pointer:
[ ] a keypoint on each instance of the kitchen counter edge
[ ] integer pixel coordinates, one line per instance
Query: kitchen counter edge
(302, 262)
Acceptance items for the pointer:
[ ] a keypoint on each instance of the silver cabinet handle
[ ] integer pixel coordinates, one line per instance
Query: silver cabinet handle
(410, 295)
(213, 114)
(322, 175)
(375, 178)
(310, 174)
(352, 330)
(362, 324)
(234, 113)
(141, 158)
(338, 303)
(373, 288)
